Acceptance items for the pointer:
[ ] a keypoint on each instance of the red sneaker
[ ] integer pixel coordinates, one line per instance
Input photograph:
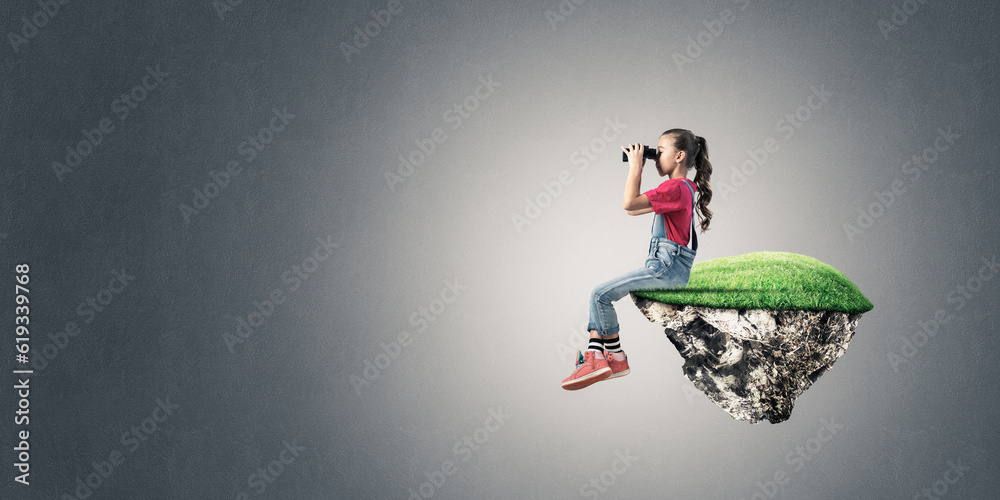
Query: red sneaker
(591, 367)
(619, 368)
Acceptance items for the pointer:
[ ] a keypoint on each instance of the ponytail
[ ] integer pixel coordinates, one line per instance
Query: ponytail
(703, 173)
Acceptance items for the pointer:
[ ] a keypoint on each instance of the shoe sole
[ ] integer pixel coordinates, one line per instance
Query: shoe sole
(620, 374)
(580, 383)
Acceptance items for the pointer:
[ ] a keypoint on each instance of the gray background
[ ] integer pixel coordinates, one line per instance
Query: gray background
(507, 340)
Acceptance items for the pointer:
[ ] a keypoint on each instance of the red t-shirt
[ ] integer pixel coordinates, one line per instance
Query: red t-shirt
(673, 199)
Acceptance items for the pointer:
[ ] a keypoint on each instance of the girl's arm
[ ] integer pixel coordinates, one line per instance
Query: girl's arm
(632, 200)
(640, 212)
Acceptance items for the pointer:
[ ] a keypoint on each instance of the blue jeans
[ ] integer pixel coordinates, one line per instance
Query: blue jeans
(668, 265)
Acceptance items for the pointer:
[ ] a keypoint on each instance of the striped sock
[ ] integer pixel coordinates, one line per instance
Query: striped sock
(596, 344)
(613, 345)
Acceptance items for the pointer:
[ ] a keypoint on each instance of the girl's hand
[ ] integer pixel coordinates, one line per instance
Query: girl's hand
(635, 157)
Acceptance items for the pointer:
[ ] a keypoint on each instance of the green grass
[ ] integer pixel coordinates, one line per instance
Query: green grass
(765, 280)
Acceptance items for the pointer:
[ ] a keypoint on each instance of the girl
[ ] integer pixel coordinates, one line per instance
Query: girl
(669, 262)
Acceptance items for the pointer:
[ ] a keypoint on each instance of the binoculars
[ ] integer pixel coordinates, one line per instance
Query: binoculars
(647, 153)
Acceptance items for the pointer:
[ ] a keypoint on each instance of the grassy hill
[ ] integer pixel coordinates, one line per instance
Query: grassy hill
(766, 280)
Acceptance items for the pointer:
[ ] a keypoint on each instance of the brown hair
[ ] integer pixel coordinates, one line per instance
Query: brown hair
(695, 147)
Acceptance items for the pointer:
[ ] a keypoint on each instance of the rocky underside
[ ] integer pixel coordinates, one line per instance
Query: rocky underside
(753, 363)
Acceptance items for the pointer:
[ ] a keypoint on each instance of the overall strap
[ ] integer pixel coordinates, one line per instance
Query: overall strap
(693, 236)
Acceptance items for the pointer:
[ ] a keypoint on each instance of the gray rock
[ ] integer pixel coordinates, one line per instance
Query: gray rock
(753, 363)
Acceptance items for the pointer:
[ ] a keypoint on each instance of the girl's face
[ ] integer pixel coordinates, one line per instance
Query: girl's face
(668, 159)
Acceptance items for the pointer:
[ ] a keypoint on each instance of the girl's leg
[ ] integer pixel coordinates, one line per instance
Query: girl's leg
(603, 321)
(608, 344)
(596, 365)
(595, 335)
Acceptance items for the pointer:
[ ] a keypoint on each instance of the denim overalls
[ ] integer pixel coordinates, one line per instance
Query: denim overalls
(668, 265)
